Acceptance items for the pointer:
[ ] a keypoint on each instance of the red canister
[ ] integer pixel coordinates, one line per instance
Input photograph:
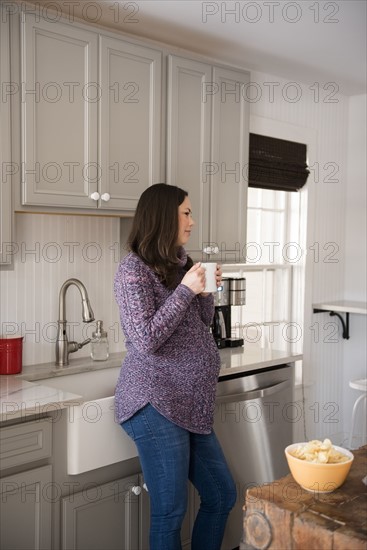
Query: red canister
(10, 354)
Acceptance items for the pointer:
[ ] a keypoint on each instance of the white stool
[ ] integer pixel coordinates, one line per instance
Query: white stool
(360, 385)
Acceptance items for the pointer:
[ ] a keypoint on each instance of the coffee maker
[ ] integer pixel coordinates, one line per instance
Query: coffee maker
(231, 293)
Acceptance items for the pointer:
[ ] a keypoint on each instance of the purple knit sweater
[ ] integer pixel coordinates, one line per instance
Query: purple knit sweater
(172, 361)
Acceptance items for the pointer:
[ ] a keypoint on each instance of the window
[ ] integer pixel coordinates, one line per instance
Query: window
(272, 316)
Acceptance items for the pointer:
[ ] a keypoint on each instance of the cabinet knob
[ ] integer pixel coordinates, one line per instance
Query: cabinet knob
(136, 490)
(145, 487)
(95, 196)
(106, 197)
(211, 250)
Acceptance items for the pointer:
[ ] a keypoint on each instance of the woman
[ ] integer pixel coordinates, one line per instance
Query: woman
(165, 394)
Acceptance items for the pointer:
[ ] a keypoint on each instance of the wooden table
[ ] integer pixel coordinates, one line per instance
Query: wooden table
(281, 515)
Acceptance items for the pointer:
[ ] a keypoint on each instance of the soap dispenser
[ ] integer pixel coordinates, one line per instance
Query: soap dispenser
(99, 344)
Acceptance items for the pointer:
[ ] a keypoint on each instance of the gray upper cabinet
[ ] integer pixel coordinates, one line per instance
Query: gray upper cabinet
(229, 158)
(207, 153)
(5, 151)
(130, 121)
(59, 114)
(91, 117)
(188, 140)
(109, 520)
(91, 114)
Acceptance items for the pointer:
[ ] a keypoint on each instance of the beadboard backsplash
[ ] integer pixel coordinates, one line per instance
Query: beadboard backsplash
(48, 249)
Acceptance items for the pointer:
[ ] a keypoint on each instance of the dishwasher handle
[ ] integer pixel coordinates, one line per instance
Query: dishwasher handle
(253, 394)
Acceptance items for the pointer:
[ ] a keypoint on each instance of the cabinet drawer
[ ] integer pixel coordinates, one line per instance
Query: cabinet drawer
(24, 443)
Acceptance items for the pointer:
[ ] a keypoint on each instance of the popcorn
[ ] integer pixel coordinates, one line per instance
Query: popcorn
(320, 452)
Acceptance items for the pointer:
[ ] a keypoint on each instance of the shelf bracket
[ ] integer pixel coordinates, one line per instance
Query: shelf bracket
(345, 324)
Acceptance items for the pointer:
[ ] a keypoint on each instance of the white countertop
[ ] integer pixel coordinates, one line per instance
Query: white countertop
(343, 306)
(250, 359)
(27, 393)
(19, 398)
(23, 395)
(77, 365)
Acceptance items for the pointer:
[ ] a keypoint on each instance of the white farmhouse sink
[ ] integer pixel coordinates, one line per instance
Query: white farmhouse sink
(94, 438)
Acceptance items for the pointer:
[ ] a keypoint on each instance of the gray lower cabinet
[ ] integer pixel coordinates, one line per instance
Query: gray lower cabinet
(25, 510)
(115, 516)
(43, 508)
(26, 491)
(105, 516)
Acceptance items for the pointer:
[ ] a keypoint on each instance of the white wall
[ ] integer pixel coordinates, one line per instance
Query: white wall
(48, 250)
(356, 201)
(319, 117)
(355, 359)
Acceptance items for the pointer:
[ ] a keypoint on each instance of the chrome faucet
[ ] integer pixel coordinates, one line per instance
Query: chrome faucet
(63, 346)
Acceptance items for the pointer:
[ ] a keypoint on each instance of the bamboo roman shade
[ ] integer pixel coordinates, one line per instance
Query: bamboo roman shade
(277, 164)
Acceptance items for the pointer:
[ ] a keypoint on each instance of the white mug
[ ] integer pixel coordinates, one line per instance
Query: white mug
(211, 281)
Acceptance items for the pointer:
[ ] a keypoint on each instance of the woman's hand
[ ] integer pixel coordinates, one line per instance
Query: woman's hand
(195, 278)
(218, 276)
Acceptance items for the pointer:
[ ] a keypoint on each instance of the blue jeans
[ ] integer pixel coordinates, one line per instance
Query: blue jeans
(169, 456)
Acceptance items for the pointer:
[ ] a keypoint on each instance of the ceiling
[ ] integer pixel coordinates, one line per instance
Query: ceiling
(303, 41)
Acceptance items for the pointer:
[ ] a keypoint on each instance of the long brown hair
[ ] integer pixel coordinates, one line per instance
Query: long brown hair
(154, 233)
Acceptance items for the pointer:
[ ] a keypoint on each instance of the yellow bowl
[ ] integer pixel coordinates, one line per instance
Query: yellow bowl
(315, 477)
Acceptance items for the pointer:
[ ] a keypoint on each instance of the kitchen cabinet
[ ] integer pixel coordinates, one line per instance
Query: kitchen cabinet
(130, 122)
(109, 503)
(188, 140)
(114, 516)
(91, 129)
(59, 511)
(105, 516)
(91, 111)
(25, 515)
(207, 152)
(59, 113)
(26, 510)
(5, 152)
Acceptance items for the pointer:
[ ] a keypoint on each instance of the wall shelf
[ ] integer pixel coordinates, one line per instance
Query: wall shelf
(342, 306)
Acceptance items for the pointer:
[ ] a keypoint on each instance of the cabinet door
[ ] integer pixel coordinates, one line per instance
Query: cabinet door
(130, 131)
(5, 154)
(188, 140)
(230, 136)
(60, 94)
(102, 516)
(25, 510)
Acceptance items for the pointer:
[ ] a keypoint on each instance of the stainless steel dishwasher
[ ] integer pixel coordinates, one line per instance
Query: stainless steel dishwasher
(253, 422)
